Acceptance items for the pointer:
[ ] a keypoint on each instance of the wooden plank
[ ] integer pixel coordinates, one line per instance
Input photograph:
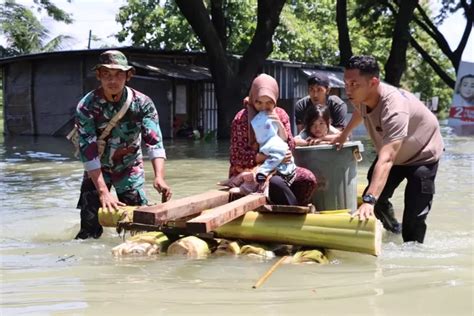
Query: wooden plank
(220, 215)
(293, 209)
(160, 214)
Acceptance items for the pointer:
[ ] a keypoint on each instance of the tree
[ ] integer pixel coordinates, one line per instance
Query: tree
(372, 10)
(53, 11)
(154, 25)
(422, 20)
(345, 47)
(419, 75)
(396, 63)
(306, 32)
(222, 28)
(24, 32)
(231, 85)
(425, 24)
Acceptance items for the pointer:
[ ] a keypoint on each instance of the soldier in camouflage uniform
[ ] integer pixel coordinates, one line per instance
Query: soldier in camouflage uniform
(121, 164)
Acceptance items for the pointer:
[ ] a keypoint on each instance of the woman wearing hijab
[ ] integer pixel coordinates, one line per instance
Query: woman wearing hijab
(244, 148)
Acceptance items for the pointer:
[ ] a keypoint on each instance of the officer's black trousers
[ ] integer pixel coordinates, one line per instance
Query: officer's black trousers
(418, 198)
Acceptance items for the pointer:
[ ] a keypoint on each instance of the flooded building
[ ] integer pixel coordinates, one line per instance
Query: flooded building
(41, 91)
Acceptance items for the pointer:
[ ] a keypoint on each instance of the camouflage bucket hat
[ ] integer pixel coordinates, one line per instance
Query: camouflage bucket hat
(113, 59)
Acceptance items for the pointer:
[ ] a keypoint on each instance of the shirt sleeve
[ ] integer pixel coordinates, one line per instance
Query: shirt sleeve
(300, 109)
(338, 111)
(394, 119)
(88, 151)
(151, 132)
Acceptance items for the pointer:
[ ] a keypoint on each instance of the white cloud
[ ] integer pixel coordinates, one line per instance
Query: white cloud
(89, 15)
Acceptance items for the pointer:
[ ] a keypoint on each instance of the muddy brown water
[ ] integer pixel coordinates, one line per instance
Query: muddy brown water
(45, 272)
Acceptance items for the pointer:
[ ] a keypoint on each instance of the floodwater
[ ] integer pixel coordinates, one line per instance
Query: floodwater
(45, 272)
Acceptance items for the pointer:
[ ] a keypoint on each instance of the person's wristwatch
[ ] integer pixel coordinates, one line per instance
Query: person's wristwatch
(369, 198)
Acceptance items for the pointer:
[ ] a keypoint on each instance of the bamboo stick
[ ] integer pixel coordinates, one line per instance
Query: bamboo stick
(264, 277)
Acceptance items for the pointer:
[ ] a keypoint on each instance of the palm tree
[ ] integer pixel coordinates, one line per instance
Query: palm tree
(24, 33)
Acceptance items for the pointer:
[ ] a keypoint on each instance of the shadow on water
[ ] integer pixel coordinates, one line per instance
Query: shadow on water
(44, 271)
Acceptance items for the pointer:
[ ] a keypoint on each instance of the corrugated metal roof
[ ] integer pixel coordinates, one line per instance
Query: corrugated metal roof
(177, 71)
(336, 78)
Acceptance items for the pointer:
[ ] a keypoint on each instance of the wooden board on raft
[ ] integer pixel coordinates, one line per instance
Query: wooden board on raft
(223, 214)
(174, 209)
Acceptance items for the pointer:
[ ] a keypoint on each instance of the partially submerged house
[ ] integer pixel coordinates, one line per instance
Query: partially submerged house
(41, 91)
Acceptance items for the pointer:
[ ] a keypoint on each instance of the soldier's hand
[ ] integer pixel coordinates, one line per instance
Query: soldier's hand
(160, 185)
(109, 201)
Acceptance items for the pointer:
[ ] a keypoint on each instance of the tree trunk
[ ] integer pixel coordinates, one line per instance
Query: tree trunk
(434, 65)
(469, 14)
(232, 85)
(345, 47)
(396, 63)
(219, 21)
(427, 25)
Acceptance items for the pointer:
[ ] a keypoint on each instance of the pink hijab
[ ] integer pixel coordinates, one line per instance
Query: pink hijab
(262, 85)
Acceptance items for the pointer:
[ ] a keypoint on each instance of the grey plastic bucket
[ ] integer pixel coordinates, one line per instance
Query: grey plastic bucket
(336, 172)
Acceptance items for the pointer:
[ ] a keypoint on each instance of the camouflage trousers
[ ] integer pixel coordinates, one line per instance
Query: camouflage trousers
(129, 186)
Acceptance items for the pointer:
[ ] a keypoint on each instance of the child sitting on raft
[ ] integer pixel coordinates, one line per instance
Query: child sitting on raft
(317, 127)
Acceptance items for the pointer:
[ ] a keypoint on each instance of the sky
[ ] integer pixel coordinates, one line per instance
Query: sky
(99, 17)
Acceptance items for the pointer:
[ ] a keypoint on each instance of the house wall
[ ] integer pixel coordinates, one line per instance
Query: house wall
(18, 110)
(41, 95)
(157, 90)
(57, 87)
(41, 92)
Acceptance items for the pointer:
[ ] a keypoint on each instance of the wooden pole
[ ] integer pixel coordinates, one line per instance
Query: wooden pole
(89, 42)
(269, 272)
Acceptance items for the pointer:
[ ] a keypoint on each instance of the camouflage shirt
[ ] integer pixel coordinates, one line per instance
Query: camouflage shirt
(122, 149)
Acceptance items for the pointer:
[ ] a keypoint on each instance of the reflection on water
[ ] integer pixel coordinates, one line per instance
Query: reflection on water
(44, 271)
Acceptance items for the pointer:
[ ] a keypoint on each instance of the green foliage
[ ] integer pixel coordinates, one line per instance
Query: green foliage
(24, 32)
(307, 32)
(53, 11)
(376, 21)
(160, 25)
(242, 22)
(152, 25)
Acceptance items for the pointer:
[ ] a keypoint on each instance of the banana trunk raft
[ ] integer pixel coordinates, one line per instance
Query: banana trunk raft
(327, 230)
